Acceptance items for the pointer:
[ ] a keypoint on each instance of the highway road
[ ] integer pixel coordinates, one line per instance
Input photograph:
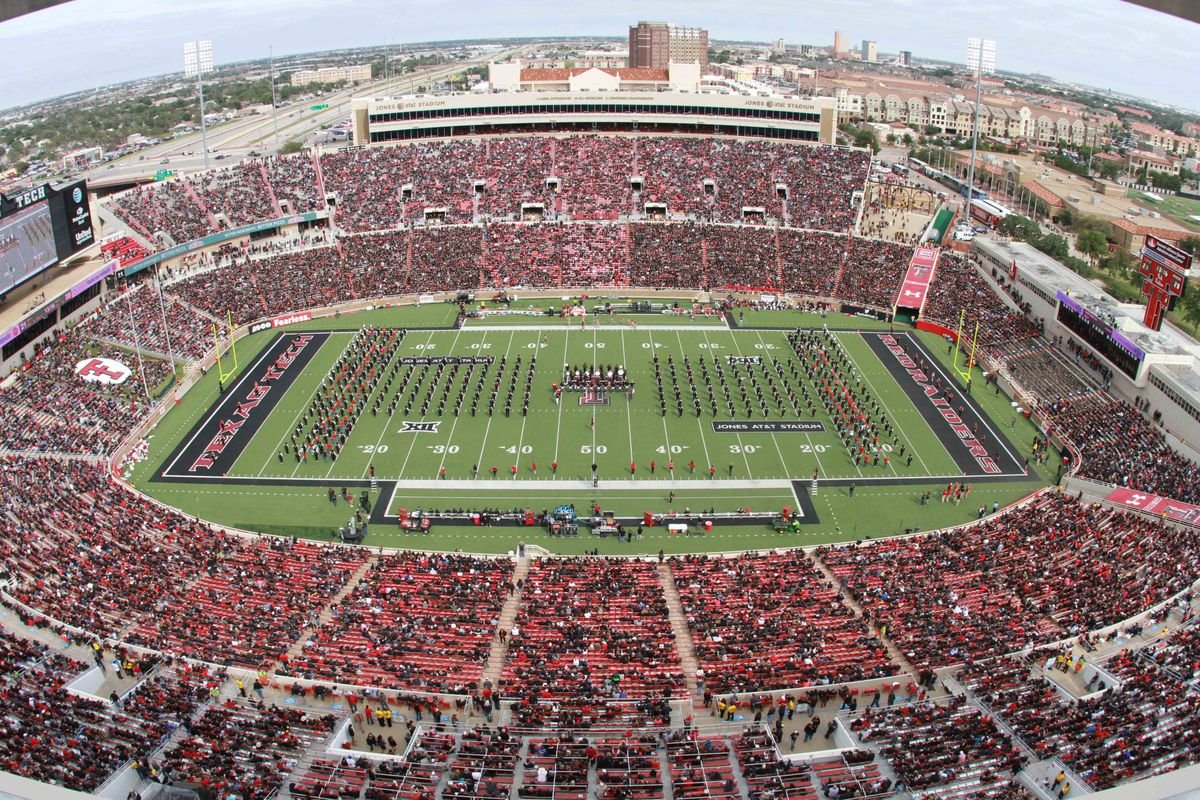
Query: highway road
(236, 139)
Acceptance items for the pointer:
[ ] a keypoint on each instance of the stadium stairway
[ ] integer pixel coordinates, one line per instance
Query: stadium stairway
(684, 645)
(200, 312)
(191, 192)
(895, 653)
(316, 159)
(508, 615)
(326, 615)
(262, 168)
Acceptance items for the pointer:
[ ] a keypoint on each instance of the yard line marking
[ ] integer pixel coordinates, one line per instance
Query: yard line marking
(666, 431)
(488, 428)
(453, 425)
(592, 409)
(292, 426)
(561, 401)
(628, 412)
(413, 443)
(741, 446)
(699, 422)
(772, 376)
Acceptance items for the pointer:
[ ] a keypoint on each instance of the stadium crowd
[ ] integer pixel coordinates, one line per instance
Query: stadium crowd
(86, 552)
(49, 408)
(1053, 569)
(134, 320)
(760, 622)
(415, 621)
(592, 628)
(1118, 445)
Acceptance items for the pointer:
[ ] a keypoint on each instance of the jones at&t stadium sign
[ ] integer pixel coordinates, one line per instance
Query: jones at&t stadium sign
(103, 370)
(768, 426)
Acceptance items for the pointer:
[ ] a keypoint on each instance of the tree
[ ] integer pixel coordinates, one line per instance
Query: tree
(1092, 244)
(907, 140)
(866, 138)
(1090, 222)
(1191, 306)
(1109, 170)
(1019, 227)
(932, 130)
(1066, 218)
(1054, 245)
(1120, 262)
(291, 146)
(1165, 180)
(1191, 245)
(1079, 266)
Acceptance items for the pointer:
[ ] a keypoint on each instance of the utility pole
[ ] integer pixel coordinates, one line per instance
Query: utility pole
(198, 60)
(981, 55)
(274, 103)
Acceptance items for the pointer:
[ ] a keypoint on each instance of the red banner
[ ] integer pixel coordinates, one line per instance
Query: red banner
(1164, 507)
(918, 278)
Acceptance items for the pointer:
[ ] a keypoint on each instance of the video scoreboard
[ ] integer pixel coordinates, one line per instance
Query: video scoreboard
(1164, 269)
(39, 227)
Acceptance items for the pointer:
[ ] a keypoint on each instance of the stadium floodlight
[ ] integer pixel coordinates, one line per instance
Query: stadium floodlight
(274, 101)
(981, 58)
(981, 55)
(197, 61)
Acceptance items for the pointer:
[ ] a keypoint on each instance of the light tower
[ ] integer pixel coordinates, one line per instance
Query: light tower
(198, 60)
(981, 57)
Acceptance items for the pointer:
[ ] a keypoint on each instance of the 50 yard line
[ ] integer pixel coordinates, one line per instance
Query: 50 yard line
(560, 400)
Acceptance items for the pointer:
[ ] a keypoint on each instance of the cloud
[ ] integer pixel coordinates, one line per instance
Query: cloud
(1105, 43)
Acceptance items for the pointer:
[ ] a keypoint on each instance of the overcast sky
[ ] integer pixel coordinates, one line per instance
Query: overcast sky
(1105, 43)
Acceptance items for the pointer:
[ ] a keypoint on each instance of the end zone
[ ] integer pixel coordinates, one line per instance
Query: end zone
(214, 444)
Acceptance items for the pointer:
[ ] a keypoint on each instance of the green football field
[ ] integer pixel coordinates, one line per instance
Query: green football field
(644, 460)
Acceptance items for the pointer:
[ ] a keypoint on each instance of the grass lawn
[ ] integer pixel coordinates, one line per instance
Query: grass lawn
(1178, 209)
(623, 433)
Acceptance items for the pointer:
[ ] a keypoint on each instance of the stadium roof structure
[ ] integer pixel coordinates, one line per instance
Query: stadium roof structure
(1170, 353)
(17, 8)
(1184, 9)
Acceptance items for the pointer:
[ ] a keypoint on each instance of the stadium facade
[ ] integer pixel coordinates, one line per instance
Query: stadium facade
(433, 116)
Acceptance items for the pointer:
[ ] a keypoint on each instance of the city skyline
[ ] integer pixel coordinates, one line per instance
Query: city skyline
(1114, 45)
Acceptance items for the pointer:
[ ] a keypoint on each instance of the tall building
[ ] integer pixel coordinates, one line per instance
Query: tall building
(353, 74)
(905, 59)
(654, 45)
(869, 51)
(841, 44)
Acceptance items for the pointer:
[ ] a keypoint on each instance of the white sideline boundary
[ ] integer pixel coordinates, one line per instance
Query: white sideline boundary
(627, 328)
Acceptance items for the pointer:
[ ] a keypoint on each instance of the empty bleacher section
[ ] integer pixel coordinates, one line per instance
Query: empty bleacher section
(125, 249)
(1042, 370)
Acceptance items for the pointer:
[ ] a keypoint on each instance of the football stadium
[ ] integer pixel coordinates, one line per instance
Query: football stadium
(612, 451)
